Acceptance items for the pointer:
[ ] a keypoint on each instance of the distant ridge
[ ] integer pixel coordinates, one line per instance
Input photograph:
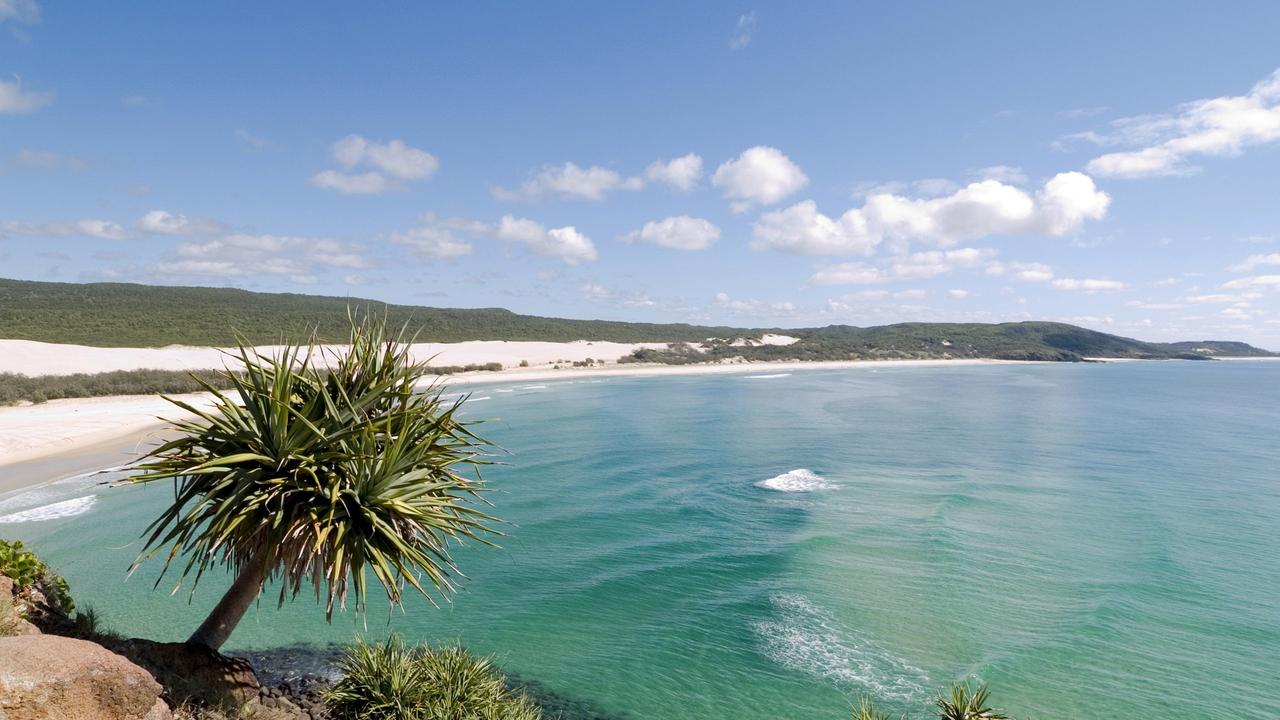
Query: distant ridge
(130, 315)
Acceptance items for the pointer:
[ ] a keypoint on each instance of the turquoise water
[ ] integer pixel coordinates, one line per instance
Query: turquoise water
(1094, 540)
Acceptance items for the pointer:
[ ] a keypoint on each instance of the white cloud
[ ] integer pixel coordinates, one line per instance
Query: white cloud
(760, 175)
(14, 100)
(160, 222)
(752, 307)
(240, 255)
(435, 239)
(570, 182)
(1254, 261)
(19, 11)
(743, 31)
(388, 166)
(958, 293)
(596, 292)
(1254, 281)
(682, 173)
(680, 232)
(904, 267)
(1088, 285)
(1216, 298)
(1024, 271)
(394, 158)
(801, 229)
(916, 294)
(565, 243)
(1221, 126)
(370, 183)
(977, 210)
(1148, 305)
(102, 229)
(1003, 173)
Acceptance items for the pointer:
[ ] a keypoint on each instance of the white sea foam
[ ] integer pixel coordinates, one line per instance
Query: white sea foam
(808, 639)
(799, 480)
(478, 399)
(766, 377)
(534, 387)
(52, 511)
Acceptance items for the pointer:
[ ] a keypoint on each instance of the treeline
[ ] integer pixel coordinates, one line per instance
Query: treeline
(15, 389)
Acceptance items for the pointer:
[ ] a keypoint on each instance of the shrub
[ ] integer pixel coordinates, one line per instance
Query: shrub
(29, 572)
(393, 681)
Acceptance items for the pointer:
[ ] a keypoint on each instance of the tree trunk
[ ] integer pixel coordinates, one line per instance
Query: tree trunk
(216, 628)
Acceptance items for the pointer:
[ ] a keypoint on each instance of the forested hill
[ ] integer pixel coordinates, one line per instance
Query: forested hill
(125, 315)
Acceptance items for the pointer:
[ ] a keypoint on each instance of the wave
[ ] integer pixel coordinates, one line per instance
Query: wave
(478, 399)
(766, 377)
(534, 387)
(52, 511)
(808, 639)
(798, 480)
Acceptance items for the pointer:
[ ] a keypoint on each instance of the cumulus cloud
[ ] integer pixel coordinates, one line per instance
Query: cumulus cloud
(975, 211)
(958, 293)
(1088, 285)
(761, 175)
(598, 293)
(753, 307)
(436, 239)
(15, 101)
(565, 243)
(682, 173)
(387, 166)
(1024, 271)
(102, 229)
(1253, 282)
(680, 232)
(743, 31)
(1221, 126)
(161, 222)
(369, 183)
(1253, 261)
(920, 265)
(240, 255)
(570, 182)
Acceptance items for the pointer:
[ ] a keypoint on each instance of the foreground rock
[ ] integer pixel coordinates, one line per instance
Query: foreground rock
(195, 675)
(47, 677)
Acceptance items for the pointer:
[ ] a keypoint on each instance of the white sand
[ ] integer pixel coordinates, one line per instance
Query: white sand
(36, 358)
(64, 426)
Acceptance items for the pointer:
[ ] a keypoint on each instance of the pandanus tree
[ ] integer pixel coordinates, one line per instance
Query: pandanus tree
(318, 469)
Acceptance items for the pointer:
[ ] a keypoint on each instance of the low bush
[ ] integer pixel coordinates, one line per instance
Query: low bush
(30, 573)
(22, 388)
(394, 681)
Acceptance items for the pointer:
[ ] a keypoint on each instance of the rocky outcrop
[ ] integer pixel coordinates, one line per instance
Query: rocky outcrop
(47, 677)
(194, 674)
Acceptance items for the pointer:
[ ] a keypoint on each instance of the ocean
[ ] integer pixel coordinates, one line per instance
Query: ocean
(1093, 540)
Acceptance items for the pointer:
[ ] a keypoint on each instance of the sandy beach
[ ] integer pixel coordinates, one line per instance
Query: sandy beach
(61, 437)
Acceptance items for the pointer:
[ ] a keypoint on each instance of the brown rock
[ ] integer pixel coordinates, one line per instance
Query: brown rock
(194, 674)
(46, 677)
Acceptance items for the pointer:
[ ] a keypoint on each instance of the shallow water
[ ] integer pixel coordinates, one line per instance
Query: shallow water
(1094, 540)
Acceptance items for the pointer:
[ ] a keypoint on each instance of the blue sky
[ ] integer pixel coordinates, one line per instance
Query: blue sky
(1113, 165)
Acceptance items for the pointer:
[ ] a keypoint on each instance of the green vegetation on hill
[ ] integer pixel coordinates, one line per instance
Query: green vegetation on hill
(121, 315)
(126, 315)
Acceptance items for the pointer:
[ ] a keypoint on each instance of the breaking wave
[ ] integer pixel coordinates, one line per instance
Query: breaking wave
(52, 511)
(806, 638)
(799, 480)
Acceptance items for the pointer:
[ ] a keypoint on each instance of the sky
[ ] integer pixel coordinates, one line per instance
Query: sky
(1113, 165)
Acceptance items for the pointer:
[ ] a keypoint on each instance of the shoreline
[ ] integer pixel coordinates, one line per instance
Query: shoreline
(59, 438)
(50, 441)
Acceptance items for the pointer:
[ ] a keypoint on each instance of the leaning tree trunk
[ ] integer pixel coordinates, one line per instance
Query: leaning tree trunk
(216, 628)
